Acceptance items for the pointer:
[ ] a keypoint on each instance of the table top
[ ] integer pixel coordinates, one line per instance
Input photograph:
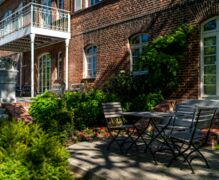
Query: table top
(148, 114)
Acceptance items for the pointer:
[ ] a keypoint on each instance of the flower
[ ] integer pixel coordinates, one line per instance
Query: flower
(81, 134)
(106, 135)
(97, 134)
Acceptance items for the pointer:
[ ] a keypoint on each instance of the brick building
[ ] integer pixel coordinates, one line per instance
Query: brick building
(93, 39)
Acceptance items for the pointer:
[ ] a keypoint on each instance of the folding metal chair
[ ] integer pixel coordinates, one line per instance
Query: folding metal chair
(116, 125)
(188, 143)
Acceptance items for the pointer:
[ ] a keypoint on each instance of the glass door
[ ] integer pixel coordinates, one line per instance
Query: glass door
(44, 73)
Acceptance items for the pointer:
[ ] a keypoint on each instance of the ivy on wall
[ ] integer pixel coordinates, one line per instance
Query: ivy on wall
(162, 57)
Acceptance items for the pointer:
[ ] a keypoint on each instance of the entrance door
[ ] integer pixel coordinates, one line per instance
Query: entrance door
(44, 73)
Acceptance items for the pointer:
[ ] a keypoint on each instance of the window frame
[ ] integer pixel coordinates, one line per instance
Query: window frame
(42, 58)
(88, 3)
(205, 34)
(90, 57)
(76, 10)
(137, 46)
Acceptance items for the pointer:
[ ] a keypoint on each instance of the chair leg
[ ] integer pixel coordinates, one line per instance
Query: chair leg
(114, 140)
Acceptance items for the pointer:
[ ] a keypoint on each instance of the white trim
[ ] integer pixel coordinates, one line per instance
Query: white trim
(50, 33)
(38, 62)
(86, 75)
(32, 38)
(205, 34)
(136, 46)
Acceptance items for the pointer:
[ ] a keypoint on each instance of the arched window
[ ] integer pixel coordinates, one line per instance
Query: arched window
(90, 61)
(210, 58)
(44, 73)
(137, 43)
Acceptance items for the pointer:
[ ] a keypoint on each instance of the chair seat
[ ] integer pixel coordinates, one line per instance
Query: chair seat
(120, 127)
(179, 128)
(186, 136)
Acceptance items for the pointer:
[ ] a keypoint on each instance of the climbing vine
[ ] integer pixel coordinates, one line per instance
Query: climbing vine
(162, 57)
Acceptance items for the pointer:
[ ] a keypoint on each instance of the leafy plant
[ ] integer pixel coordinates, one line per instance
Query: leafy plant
(48, 110)
(162, 57)
(86, 107)
(27, 152)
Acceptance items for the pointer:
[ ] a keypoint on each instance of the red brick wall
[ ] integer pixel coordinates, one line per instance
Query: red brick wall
(53, 50)
(109, 25)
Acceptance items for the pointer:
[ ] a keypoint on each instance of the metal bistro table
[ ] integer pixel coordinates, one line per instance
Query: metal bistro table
(153, 118)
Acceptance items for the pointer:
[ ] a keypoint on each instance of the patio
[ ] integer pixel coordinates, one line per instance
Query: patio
(91, 160)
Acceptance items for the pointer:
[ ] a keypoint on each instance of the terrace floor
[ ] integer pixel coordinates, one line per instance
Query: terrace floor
(92, 161)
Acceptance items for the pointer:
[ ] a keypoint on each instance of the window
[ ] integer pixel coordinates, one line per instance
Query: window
(137, 43)
(210, 58)
(90, 61)
(60, 4)
(77, 5)
(44, 73)
(93, 2)
(59, 66)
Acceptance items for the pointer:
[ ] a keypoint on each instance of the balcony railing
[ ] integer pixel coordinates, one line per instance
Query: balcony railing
(36, 15)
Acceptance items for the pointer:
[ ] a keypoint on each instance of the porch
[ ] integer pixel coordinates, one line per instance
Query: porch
(35, 26)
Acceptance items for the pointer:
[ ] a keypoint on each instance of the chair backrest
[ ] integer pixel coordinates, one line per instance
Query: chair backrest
(184, 115)
(204, 120)
(112, 109)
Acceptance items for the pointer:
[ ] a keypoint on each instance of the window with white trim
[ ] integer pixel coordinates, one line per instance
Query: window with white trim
(92, 2)
(210, 58)
(137, 43)
(44, 73)
(77, 5)
(90, 61)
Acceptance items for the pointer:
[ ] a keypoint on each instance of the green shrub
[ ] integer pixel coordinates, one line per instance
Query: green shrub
(87, 107)
(126, 86)
(162, 57)
(27, 152)
(48, 110)
(44, 107)
(147, 102)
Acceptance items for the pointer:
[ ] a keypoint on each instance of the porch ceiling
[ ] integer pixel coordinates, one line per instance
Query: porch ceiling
(24, 44)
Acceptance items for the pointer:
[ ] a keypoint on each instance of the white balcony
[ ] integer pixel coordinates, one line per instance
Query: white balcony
(50, 25)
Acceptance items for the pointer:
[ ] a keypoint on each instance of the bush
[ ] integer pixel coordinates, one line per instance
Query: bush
(87, 107)
(48, 110)
(146, 102)
(126, 86)
(27, 152)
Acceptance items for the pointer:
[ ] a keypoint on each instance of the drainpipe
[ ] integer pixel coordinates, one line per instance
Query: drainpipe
(66, 63)
(32, 38)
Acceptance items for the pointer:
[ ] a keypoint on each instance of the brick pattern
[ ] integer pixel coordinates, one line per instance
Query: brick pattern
(110, 24)
(18, 111)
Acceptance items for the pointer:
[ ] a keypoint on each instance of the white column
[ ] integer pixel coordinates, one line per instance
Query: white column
(66, 63)
(32, 38)
(21, 72)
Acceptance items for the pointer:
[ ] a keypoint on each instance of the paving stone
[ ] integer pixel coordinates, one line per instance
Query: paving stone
(93, 161)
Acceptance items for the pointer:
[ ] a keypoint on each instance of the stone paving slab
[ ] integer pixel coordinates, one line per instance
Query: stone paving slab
(93, 161)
